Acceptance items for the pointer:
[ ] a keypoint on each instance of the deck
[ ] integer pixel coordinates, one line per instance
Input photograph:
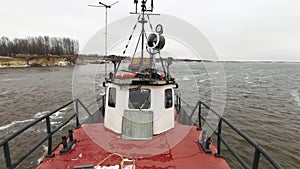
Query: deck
(165, 151)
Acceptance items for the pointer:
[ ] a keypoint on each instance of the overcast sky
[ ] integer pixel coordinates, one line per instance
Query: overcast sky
(238, 29)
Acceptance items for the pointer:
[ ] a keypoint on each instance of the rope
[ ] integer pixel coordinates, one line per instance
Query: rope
(121, 163)
(131, 35)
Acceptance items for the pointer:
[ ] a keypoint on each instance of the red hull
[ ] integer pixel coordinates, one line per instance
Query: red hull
(186, 154)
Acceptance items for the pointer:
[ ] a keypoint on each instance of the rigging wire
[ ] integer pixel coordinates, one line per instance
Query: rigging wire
(151, 27)
(136, 47)
(130, 37)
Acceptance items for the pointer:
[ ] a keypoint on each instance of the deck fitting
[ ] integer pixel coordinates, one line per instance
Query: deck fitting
(67, 146)
(205, 142)
(51, 155)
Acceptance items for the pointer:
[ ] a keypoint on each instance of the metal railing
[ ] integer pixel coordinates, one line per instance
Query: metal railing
(5, 141)
(218, 132)
(259, 150)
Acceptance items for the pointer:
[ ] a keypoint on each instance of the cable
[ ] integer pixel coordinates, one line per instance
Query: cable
(131, 35)
(151, 27)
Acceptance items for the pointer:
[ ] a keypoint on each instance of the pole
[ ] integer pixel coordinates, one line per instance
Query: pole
(143, 39)
(105, 39)
(106, 6)
(143, 21)
(48, 125)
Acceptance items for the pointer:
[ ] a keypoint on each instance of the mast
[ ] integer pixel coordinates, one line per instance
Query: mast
(143, 21)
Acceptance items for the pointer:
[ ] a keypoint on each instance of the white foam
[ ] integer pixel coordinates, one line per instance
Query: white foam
(40, 114)
(55, 122)
(296, 96)
(5, 92)
(14, 123)
(10, 79)
(203, 80)
(247, 80)
(185, 78)
(42, 157)
(59, 114)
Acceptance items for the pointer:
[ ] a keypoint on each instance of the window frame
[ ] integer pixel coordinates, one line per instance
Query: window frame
(111, 98)
(148, 98)
(167, 99)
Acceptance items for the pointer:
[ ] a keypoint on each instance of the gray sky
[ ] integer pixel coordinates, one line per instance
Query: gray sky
(238, 29)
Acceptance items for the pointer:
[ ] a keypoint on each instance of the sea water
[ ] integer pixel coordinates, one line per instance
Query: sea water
(262, 99)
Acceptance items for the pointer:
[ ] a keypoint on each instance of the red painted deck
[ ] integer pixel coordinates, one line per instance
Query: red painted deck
(165, 151)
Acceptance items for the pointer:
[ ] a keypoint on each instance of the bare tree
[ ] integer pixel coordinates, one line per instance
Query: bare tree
(39, 45)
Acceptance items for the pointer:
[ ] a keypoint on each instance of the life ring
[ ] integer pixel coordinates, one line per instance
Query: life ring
(133, 75)
(162, 76)
(125, 76)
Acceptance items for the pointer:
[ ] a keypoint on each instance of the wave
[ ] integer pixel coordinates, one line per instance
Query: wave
(296, 96)
(247, 80)
(40, 114)
(58, 115)
(186, 78)
(4, 93)
(55, 123)
(14, 123)
(203, 80)
(11, 79)
(42, 157)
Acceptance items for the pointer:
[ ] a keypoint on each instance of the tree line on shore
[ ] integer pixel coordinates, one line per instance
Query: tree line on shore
(41, 45)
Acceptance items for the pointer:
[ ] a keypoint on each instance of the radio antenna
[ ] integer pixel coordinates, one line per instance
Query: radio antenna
(106, 7)
(143, 21)
(136, 5)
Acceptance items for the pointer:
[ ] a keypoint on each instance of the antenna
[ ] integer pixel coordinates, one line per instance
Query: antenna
(151, 10)
(143, 21)
(136, 5)
(143, 6)
(106, 7)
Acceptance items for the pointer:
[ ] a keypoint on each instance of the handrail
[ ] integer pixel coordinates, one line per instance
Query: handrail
(5, 141)
(258, 149)
(10, 137)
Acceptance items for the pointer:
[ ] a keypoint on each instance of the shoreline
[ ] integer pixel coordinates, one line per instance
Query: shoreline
(36, 61)
(61, 61)
(18, 67)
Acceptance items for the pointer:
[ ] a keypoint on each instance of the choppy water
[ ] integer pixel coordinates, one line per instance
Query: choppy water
(263, 99)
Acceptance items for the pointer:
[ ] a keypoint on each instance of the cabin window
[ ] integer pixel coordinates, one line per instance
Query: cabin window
(168, 98)
(112, 97)
(139, 98)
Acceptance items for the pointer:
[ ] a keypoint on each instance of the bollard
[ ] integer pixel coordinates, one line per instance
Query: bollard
(64, 141)
(71, 136)
(205, 142)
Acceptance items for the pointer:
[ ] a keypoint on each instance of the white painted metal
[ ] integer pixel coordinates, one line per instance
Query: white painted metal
(163, 119)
